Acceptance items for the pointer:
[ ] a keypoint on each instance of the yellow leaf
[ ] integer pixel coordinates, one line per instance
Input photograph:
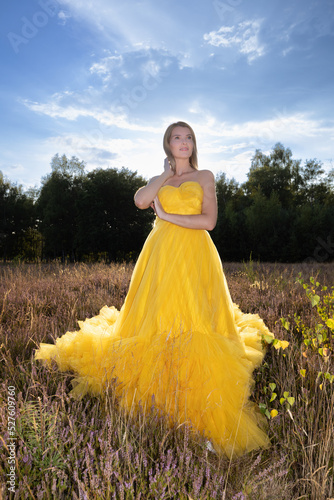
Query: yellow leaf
(273, 413)
(330, 323)
(278, 344)
(320, 386)
(302, 372)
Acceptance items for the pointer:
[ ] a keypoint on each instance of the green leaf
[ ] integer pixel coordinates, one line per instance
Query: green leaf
(303, 373)
(273, 396)
(282, 400)
(263, 408)
(315, 300)
(285, 323)
(291, 400)
(272, 386)
(286, 394)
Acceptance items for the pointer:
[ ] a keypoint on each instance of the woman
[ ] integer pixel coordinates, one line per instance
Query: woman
(178, 339)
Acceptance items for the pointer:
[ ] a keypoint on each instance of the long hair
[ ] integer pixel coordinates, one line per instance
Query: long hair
(193, 158)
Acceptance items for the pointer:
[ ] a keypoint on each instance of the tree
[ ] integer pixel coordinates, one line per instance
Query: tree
(108, 220)
(84, 215)
(316, 186)
(267, 228)
(72, 167)
(17, 218)
(277, 172)
(57, 206)
(228, 234)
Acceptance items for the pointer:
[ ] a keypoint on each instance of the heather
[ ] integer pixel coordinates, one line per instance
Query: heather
(91, 449)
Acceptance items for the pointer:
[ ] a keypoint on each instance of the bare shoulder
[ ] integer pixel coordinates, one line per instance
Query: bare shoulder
(207, 181)
(206, 177)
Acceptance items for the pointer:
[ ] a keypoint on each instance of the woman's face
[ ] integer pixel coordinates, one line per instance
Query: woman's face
(181, 143)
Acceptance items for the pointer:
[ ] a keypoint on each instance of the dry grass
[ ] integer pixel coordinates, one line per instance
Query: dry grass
(89, 449)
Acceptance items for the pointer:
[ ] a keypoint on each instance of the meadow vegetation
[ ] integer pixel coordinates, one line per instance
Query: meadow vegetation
(91, 449)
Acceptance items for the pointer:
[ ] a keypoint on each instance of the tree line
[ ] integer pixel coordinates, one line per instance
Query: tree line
(283, 212)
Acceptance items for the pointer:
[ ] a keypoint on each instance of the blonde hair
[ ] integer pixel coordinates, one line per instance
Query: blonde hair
(193, 159)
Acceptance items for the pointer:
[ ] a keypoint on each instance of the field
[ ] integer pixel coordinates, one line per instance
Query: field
(89, 449)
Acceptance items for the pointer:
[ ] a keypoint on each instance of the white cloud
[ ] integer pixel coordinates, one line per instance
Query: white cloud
(143, 153)
(106, 66)
(109, 137)
(244, 37)
(63, 17)
(54, 108)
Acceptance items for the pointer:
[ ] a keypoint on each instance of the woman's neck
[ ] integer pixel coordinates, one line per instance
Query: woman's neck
(183, 167)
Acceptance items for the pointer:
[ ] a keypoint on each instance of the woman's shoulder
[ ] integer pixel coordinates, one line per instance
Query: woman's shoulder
(206, 176)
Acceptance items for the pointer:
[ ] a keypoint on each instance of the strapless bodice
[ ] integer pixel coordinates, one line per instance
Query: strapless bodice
(186, 199)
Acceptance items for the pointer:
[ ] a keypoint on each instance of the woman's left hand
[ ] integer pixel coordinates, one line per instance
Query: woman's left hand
(158, 208)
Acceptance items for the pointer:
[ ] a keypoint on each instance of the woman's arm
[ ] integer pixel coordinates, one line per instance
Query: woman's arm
(206, 219)
(146, 194)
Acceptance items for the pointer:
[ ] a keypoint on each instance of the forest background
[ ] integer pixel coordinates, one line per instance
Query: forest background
(284, 212)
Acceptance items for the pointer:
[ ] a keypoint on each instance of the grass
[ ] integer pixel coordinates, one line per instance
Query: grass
(90, 449)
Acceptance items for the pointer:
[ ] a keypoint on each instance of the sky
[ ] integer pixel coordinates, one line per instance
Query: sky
(101, 80)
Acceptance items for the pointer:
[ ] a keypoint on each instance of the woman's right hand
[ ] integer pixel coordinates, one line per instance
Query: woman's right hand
(168, 167)
(146, 194)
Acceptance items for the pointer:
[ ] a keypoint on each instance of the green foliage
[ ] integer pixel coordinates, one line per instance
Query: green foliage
(318, 337)
(37, 430)
(107, 218)
(17, 220)
(86, 215)
(277, 173)
(229, 234)
(280, 213)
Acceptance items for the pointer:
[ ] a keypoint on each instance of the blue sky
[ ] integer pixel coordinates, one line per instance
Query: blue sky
(102, 80)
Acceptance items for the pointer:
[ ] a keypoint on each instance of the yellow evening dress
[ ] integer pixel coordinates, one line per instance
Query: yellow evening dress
(178, 340)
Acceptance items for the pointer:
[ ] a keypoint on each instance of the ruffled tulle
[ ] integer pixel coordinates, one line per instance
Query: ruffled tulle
(178, 340)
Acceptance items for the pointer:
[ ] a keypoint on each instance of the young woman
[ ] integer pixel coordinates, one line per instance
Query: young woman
(178, 339)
